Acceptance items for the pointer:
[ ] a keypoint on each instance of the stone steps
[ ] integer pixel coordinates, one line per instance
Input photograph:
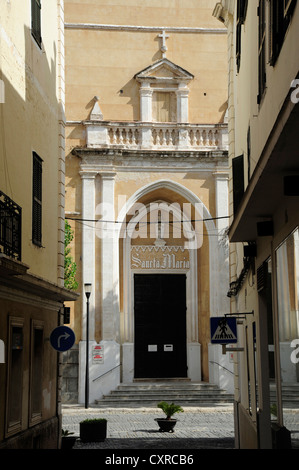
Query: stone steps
(185, 393)
(290, 395)
(150, 394)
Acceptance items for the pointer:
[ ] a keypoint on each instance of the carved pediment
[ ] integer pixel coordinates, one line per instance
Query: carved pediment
(164, 70)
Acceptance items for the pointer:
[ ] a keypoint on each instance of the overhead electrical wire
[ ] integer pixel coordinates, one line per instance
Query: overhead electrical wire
(147, 222)
(86, 221)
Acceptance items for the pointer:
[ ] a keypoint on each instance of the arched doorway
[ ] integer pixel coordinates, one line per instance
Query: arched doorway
(160, 284)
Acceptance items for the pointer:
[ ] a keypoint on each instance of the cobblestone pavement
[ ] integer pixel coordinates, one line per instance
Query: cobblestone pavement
(135, 428)
(197, 428)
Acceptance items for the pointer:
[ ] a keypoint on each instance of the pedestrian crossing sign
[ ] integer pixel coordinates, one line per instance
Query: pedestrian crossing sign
(223, 330)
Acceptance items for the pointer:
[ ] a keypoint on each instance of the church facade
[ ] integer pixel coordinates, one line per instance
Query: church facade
(147, 190)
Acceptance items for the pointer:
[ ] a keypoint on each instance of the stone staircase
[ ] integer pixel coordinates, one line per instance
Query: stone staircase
(290, 395)
(149, 394)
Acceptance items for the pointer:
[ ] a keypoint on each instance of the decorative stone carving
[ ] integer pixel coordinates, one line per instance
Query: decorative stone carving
(167, 77)
(96, 113)
(163, 48)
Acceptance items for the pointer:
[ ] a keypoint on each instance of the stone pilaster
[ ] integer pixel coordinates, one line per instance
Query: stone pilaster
(108, 253)
(88, 249)
(146, 96)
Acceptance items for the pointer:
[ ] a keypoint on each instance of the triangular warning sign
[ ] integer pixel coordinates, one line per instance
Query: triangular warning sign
(223, 332)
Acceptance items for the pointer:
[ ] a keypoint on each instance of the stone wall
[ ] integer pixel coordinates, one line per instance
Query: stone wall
(70, 373)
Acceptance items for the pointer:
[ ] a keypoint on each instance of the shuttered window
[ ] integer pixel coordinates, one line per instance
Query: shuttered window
(37, 200)
(242, 6)
(164, 107)
(262, 49)
(281, 12)
(238, 181)
(36, 372)
(249, 153)
(15, 384)
(36, 21)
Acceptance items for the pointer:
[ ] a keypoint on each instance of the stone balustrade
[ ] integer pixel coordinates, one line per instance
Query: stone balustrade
(156, 136)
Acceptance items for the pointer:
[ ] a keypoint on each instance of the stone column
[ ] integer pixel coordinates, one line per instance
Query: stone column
(105, 376)
(146, 114)
(221, 200)
(88, 276)
(183, 114)
(221, 196)
(220, 368)
(146, 97)
(88, 249)
(182, 103)
(109, 251)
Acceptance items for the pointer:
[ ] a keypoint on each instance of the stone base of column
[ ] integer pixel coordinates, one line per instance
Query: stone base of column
(127, 363)
(221, 370)
(104, 375)
(194, 361)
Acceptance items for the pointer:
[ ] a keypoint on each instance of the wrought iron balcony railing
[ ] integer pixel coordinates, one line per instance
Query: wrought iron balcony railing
(10, 227)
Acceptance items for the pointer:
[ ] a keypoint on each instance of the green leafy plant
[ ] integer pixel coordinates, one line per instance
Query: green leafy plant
(273, 409)
(170, 409)
(93, 430)
(70, 266)
(66, 433)
(93, 420)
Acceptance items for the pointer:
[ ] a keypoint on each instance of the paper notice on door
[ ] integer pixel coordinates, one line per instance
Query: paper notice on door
(152, 348)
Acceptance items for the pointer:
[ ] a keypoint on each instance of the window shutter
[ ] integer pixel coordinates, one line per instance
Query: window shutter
(242, 7)
(37, 200)
(249, 153)
(262, 50)
(238, 181)
(262, 277)
(281, 12)
(36, 20)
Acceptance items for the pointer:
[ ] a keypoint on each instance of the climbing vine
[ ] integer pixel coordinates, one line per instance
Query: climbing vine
(70, 266)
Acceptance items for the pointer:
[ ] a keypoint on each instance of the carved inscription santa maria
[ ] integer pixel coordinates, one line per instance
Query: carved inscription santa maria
(160, 258)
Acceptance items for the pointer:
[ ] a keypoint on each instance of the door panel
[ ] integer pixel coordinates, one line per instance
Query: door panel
(160, 325)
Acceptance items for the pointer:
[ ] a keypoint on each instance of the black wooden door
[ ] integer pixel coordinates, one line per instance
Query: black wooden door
(160, 325)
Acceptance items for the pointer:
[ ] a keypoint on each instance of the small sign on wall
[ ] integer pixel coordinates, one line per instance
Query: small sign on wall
(98, 354)
(168, 347)
(152, 348)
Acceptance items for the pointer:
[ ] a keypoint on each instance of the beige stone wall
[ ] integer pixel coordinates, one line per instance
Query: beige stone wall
(29, 122)
(103, 61)
(262, 117)
(182, 13)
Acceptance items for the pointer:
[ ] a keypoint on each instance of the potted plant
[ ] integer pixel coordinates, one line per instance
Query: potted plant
(67, 439)
(93, 430)
(167, 424)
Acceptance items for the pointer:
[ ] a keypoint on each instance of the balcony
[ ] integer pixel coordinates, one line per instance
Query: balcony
(10, 227)
(156, 136)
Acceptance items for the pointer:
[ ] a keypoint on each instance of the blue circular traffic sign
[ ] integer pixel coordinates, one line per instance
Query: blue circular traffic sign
(62, 338)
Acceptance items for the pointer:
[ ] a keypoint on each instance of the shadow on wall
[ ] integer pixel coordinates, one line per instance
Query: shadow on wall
(30, 89)
(223, 109)
(128, 94)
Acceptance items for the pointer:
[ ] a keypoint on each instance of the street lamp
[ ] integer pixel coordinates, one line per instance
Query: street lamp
(87, 290)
